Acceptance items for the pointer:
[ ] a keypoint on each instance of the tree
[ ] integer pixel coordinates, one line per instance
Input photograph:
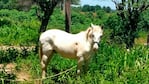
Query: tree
(88, 8)
(129, 11)
(67, 15)
(45, 10)
(107, 9)
(47, 7)
(85, 8)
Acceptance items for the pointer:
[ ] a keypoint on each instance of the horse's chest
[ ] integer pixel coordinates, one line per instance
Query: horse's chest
(82, 49)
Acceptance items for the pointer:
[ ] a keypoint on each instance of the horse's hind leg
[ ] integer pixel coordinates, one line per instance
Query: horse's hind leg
(47, 55)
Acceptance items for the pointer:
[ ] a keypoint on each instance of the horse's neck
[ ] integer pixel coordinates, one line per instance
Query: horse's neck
(88, 41)
(82, 36)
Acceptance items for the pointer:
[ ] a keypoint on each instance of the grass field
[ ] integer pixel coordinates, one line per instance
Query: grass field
(112, 64)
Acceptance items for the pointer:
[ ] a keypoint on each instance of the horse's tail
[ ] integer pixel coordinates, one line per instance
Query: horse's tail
(40, 52)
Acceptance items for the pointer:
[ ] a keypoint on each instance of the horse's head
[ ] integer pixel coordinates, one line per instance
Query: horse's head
(94, 34)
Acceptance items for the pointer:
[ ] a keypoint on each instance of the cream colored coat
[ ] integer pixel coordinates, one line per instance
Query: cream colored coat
(75, 46)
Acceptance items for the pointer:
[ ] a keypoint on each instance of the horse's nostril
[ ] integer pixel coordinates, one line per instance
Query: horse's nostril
(95, 49)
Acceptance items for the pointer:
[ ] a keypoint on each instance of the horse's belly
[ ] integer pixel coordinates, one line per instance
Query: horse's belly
(65, 48)
(69, 53)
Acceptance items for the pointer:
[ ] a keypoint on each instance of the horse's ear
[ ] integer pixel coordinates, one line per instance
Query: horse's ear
(89, 32)
(92, 25)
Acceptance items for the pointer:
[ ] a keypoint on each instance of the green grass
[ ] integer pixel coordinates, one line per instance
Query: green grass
(18, 27)
(110, 65)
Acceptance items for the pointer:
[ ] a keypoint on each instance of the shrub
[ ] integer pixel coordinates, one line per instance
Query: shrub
(5, 78)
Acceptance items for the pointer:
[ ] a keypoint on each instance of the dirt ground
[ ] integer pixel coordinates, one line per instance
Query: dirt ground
(11, 68)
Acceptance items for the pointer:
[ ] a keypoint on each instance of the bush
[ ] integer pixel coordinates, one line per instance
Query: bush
(6, 77)
(18, 27)
(11, 54)
(5, 21)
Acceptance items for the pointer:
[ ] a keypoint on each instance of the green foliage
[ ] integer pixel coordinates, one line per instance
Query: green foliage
(88, 8)
(21, 28)
(5, 21)
(129, 13)
(18, 27)
(12, 54)
(144, 23)
(112, 64)
(120, 34)
(117, 34)
(6, 77)
(57, 20)
(7, 4)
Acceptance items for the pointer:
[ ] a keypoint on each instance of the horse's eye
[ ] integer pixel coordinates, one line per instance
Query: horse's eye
(92, 35)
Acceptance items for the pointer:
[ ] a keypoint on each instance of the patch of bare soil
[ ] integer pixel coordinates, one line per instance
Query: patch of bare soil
(141, 41)
(11, 68)
(8, 68)
(23, 76)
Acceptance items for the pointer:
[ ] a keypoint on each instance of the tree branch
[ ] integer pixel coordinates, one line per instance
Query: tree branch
(144, 6)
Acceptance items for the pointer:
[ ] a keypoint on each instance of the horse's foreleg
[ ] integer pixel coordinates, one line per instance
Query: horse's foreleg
(86, 62)
(80, 63)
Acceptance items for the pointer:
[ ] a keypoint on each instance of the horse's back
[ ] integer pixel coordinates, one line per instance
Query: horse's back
(51, 34)
(58, 37)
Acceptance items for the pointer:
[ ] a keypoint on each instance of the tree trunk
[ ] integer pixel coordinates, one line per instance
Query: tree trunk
(67, 15)
(47, 8)
(44, 21)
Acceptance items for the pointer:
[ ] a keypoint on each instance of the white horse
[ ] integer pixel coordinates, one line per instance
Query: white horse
(76, 46)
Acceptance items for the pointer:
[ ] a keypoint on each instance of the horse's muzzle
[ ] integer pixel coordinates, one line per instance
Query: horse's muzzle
(95, 47)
